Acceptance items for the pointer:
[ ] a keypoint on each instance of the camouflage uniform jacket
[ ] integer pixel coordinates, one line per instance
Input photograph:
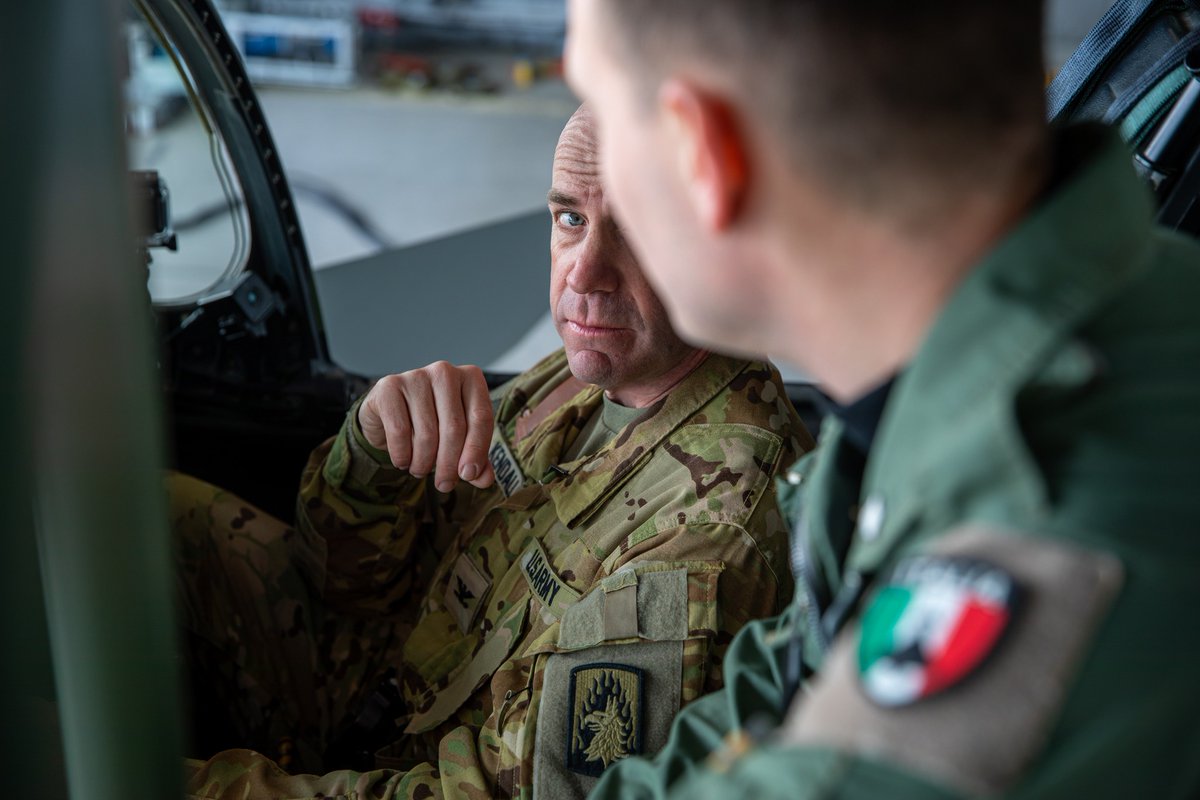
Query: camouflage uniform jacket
(558, 628)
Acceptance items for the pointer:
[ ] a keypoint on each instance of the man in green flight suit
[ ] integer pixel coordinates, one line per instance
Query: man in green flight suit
(996, 546)
(536, 581)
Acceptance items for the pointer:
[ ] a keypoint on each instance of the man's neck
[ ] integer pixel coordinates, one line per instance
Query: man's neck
(650, 392)
(863, 314)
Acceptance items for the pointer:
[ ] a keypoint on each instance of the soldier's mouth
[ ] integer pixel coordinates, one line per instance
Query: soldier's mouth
(592, 330)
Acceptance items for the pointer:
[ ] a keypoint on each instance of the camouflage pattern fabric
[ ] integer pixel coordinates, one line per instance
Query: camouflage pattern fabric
(668, 536)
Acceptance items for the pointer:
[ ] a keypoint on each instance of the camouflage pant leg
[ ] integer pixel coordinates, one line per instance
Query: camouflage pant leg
(282, 671)
(246, 775)
(247, 587)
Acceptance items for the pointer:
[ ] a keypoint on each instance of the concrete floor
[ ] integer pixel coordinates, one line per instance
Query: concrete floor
(431, 174)
(416, 166)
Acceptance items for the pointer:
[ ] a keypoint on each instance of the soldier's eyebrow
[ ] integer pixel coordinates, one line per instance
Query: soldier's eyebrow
(558, 198)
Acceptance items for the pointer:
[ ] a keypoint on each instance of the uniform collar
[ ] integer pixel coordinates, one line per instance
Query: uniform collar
(950, 428)
(591, 480)
(860, 418)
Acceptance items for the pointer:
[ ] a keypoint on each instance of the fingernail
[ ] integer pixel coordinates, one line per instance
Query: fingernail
(445, 486)
(469, 472)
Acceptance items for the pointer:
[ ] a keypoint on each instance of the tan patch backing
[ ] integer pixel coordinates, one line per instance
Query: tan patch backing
(978, 736)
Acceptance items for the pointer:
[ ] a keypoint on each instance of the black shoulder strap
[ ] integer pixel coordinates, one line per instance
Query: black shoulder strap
(1087, 63)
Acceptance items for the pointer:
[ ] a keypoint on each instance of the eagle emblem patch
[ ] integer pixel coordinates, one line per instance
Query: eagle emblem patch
(606, 716)
(932, 624)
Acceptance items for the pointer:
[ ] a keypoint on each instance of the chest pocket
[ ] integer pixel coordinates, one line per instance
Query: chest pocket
(652, 605)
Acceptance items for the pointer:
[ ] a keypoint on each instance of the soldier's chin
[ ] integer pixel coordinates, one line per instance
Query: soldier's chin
(591, 366)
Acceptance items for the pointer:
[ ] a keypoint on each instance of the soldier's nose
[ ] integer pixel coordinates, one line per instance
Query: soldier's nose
(592, 270)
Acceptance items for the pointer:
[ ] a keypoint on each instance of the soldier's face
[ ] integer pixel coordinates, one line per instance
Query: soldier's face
(615, 330)
(641, 172)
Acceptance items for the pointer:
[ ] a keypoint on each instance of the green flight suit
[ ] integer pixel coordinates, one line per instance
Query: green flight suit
(1049, 426)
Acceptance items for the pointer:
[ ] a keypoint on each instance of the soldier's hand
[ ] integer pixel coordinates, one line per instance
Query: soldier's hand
(438, 418)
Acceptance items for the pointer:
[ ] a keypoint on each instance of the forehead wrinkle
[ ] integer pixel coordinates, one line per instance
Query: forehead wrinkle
(575, 172)
(577, 144)
(584, 157)
(576, 162)
(575, 178)
(576, 168)
(575, 189)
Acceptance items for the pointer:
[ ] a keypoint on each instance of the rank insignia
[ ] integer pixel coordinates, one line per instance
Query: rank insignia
(465, 591)
(606, 719)
(933, 623)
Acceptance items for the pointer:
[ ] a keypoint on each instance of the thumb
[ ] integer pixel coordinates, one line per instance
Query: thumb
(371, 425)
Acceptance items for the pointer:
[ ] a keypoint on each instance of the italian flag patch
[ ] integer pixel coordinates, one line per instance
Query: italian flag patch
(935, 621)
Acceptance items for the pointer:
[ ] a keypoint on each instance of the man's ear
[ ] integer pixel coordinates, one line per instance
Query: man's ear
(710, 151)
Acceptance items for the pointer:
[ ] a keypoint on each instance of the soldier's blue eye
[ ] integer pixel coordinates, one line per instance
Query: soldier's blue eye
(570, 219)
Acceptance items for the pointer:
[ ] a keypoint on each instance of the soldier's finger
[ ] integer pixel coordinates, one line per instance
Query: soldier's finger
(422, 411)
(393, 415)
(369, 421)
(473, 465)
(447, 382)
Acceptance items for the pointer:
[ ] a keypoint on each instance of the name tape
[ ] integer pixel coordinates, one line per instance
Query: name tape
(545, 584)
(508, 472)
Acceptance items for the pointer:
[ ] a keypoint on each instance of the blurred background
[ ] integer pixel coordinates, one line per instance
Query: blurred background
(399, 123)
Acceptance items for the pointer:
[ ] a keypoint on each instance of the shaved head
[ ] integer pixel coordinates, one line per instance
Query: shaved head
(577, 142)
(576, 154)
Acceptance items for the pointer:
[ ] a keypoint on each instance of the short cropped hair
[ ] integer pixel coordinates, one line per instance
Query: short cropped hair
(875, 97)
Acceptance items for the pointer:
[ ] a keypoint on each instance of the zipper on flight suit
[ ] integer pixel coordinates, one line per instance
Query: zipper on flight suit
(822, 622)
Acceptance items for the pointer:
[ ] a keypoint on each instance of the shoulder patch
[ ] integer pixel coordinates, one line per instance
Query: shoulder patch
(977, 736)
(934, 621)
(599, 705)
(607, 717)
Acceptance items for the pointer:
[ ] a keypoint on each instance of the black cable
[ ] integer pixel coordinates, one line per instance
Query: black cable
(324, 195)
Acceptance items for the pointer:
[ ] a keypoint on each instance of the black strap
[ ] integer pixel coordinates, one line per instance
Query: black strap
(1088, 61)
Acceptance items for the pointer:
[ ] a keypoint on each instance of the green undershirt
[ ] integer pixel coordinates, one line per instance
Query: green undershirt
(607, 422)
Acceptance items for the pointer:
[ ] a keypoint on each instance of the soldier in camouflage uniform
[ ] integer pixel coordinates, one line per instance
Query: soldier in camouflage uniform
(615, 524)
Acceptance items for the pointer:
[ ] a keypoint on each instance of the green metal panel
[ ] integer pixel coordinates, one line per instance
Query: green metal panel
(30, 744)
(81, 426)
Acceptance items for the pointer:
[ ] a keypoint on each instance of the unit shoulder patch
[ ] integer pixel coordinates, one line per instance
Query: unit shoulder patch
(607, 719)
(936, 619)
(967, 691)
(599, 705)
